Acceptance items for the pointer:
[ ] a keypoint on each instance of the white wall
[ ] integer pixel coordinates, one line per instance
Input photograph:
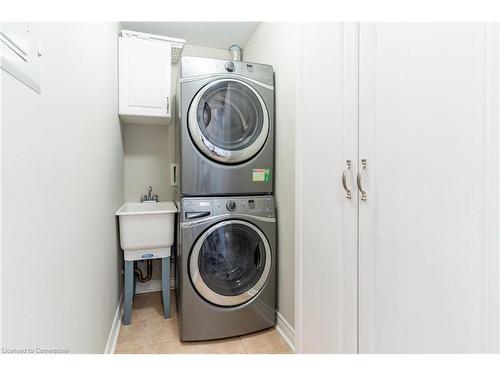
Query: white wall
(149, 150)
(201, 51)
(62, 180)
(278, 44)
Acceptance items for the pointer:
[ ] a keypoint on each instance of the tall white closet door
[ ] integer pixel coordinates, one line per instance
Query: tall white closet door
(429, 231)
(326, 316)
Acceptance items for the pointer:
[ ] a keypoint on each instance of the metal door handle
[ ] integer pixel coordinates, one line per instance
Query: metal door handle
(168, 105)
(344, 176)
(360, 188)
(196, 215)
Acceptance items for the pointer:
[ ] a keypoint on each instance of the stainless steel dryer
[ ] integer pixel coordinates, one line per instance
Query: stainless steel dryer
(226, 266)
(226, 127)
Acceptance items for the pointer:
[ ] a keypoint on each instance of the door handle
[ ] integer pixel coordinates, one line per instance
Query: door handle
(358, 180)
(168, 105)
(196, 215)
(344, 177)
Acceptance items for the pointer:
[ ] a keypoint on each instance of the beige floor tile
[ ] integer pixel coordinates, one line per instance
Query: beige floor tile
(131, 348)
(160, 320)
(135, 333)
(226, 346)
(156, 311)
(173, 311)
(132, 340)
(265, 342)
(140, 312)
(155, 304)
(171, 347)
(140, 300)
(133, 326)
(155, 297)
(164, 331)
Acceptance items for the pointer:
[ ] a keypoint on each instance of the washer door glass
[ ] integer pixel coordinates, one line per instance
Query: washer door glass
(228, 121)
(230, 263)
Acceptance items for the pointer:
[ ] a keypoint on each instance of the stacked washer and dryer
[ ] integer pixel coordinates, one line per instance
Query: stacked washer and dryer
(226, 239)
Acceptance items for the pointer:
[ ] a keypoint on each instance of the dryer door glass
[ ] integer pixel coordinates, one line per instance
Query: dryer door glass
(228, 121)
(231, 264)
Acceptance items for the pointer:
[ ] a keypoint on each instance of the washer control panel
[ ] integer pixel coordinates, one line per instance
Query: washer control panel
(258, 206)
(194, 209)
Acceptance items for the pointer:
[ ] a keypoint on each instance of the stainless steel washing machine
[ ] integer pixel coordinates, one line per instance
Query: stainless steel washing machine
(226, 261)
(225, 127)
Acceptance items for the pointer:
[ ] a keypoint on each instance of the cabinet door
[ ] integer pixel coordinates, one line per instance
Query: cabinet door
(144, 77)
(326, 220)
(429, 229)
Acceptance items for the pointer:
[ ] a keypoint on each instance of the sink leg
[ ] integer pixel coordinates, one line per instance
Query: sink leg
(134, 278)
(129, 291)
(165, 281)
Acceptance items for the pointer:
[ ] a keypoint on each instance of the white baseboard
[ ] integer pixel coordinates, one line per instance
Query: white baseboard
(115, 328)
(153, 285)
(285, 330)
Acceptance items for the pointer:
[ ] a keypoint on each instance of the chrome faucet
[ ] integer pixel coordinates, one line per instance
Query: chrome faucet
(150, 197)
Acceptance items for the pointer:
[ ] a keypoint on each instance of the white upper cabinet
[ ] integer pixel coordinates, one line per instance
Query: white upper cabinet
(144, 80)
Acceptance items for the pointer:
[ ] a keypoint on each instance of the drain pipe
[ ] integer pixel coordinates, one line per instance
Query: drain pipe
(149, 272)
(236, 52)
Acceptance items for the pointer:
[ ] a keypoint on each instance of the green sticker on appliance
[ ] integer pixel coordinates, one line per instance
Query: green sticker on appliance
(261, 175)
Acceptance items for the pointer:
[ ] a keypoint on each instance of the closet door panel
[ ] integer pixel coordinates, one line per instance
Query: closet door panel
(327, 220)
(492, 192)
(428, 255)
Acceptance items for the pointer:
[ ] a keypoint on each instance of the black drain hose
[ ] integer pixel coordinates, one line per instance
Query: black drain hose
(149, 272)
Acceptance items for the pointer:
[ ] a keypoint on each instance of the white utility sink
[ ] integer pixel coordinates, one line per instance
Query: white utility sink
(146, 229)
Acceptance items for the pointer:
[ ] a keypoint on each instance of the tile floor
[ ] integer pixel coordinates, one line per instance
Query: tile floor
(150, 333)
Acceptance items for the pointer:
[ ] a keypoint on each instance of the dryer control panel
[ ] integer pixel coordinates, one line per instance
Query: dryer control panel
(200, 66)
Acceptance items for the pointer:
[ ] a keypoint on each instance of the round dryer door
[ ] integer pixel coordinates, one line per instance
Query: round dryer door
(230, 263)
(228, 121)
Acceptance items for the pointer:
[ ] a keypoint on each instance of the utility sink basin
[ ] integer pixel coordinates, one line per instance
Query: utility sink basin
(146, 229)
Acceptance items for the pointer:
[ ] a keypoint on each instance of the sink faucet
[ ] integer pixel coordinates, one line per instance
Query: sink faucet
(150, 197)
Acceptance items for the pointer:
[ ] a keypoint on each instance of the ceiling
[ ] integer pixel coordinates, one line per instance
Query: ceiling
(207, 34)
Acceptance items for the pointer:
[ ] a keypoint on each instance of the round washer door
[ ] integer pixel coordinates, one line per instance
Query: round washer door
(228, 121)
(230, 263)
